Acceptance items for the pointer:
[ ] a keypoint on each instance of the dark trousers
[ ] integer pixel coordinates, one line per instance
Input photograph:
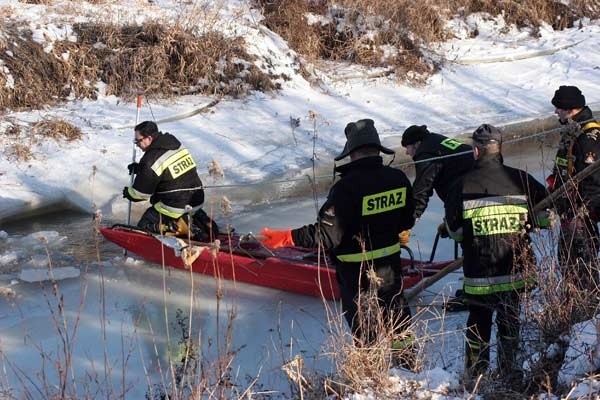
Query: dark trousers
(479, 330)
(391, 310)
(202, 227)
(152, 220)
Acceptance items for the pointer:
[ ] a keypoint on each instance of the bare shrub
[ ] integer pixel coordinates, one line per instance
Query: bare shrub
(12, 130)
(383, 33)
(532, 13)
(383, 341)
(37, 77)
(57, 129)
(36, 1)
(19, 152)
(153, 58)
(167, 60)
(567, 293)
(358, 32)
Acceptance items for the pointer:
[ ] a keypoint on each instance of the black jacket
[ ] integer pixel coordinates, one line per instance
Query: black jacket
(576, 150)
(167, 176)
(586, 151)
(371, 203)
(492, 205)
(441, 173)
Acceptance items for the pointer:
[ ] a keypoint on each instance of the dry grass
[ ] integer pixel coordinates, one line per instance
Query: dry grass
(352, 33)
(567, 293)
(532, 13)
(363, 360)
(169, 60)
(57, 129)
(358, 31)
(19, 141)
(153, 58)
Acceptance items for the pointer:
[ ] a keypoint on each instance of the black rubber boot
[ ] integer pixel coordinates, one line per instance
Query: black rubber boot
(456, 303)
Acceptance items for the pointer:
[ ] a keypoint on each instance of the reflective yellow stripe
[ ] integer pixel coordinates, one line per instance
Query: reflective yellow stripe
(384, 201)
(450, 143)
(474, 344)
(497, 288)
(370, 255)
(495, 210)
(457, 237)
(168, 211)
(402, 344)
(590, 125)
(174, 212)
(137, 195)
(177, 162)
(494, 201)
(563, 162)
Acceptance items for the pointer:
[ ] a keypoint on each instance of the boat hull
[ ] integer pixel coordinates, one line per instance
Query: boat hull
(292, 269)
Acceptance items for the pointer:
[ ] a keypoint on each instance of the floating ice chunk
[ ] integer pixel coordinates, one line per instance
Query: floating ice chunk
(37, 275)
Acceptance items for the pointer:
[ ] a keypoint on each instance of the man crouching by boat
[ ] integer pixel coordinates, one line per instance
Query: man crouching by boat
(167, 176)
(359, 224)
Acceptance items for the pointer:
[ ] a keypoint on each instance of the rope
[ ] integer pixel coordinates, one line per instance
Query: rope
(313, 179)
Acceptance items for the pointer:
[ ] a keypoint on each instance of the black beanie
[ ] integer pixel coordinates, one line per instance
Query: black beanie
(568, 98)
(414, 134)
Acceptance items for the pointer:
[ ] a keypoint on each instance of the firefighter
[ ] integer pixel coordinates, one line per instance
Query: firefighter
(579, 211)
(439, 161)
(166, 175)
(489, 211)
(359, 224)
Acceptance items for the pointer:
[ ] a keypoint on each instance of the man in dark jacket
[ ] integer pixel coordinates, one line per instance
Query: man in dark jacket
(579, 211)
(167, 176)
(359, 224)
(489, 210)
(439, 160)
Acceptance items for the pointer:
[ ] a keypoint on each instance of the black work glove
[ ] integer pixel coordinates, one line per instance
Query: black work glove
(443, 230)
(134, 168)
(127, 196)
(203, 226)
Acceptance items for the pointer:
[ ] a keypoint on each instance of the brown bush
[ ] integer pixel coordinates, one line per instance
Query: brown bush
(19, 152)
(355, 33)
(360, 28)
(152, 58)
(57, 129)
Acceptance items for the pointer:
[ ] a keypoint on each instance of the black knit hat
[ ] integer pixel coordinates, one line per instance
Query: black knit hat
(487, 134)
(359, 134)
(568, 98)
(414, 134)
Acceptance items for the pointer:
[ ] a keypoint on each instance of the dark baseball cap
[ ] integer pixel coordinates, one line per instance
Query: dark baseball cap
(487, 134)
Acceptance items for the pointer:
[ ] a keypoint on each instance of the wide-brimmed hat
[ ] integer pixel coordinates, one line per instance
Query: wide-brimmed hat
(359, 134)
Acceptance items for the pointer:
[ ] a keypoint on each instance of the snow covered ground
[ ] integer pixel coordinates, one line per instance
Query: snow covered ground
(499, 77)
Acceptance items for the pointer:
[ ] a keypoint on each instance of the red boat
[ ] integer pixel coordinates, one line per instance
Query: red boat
(243, 259)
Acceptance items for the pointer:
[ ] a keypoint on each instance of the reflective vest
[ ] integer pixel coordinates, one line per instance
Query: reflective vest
(495, 215)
